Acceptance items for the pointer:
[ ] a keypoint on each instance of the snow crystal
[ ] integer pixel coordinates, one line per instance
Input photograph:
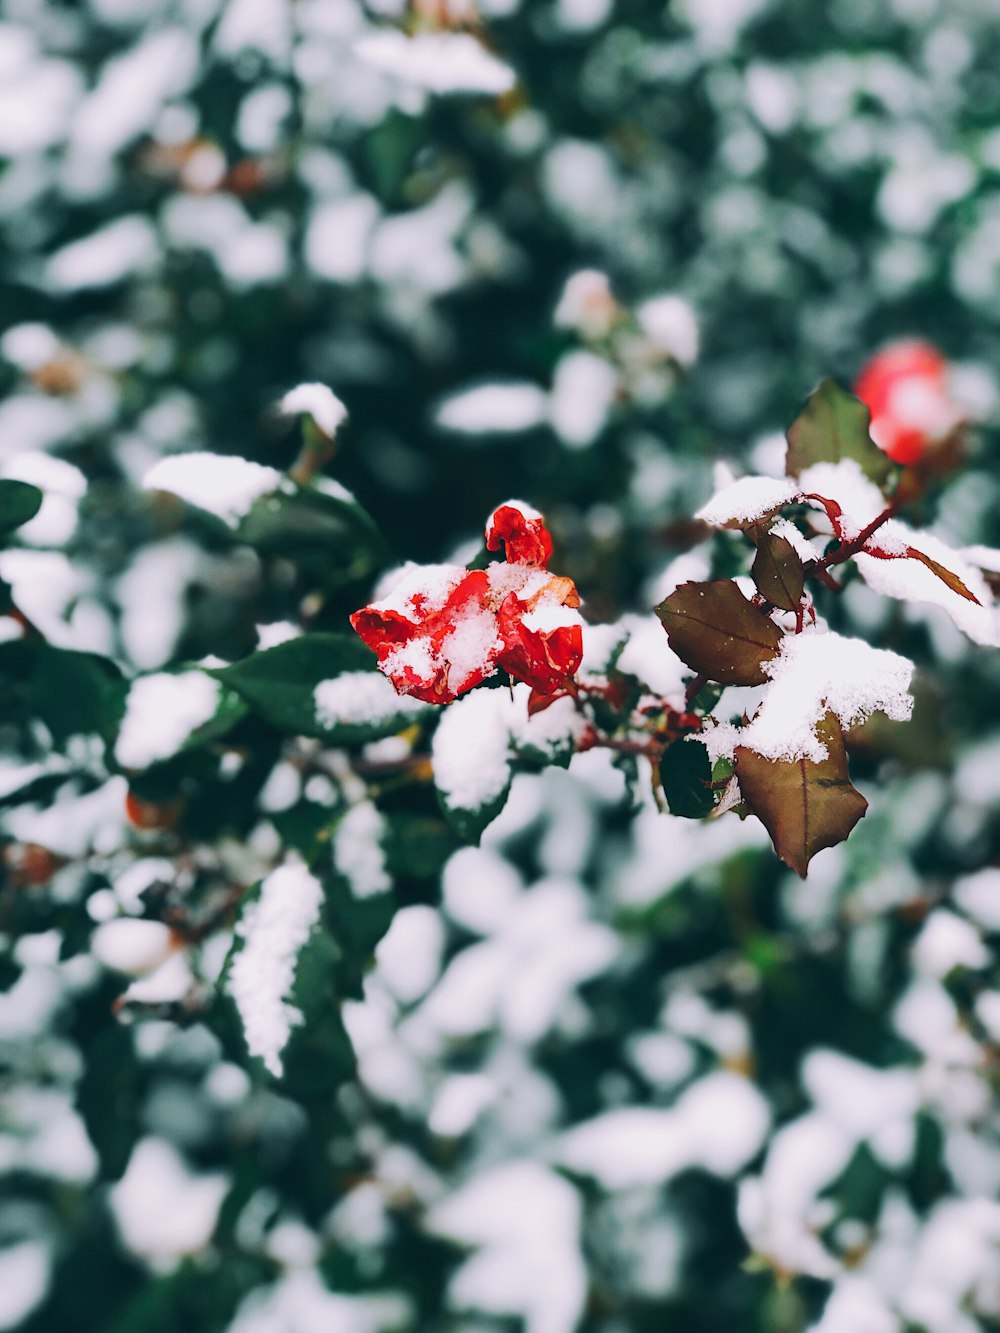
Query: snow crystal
(440, 62)
(583, 391)
(747, 499)
(671, 326)
(273, 930)
(814, 673)
(132, 946)
(358, 853)
(718, 1124)
(162, 1210)
(360, 697)
(494, 409)
(910, 580)
(471, 750)
(221, 483)
(319, 402)
(162, 710)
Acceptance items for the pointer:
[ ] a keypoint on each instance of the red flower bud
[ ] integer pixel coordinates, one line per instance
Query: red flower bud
(905, 387)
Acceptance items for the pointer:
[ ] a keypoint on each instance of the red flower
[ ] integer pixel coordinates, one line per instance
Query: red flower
(905, 387)
(443, 629)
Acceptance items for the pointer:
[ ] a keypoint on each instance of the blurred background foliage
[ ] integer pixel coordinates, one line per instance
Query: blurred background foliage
(617, 1071)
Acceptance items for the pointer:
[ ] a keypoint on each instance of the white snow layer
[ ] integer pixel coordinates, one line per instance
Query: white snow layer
(357, 850)
(471, 750)
(318, 402)
(670, 324)
(162, 1210)
(746, 500)
(440, 62)
(817, 672)
(223, 484)
(273, 930)
(718, 1124)
(357, 698)
(161, 712)
(494, 409)
(911, 581)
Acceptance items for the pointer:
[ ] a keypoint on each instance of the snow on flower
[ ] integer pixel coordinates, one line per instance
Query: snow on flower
(223, 484)
(817, 672)
(443, 629)
(318, 402)
(440, 62)
(905, 386)
(273, 930)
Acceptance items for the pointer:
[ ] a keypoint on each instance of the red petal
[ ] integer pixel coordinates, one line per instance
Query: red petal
(909, 358)
(523, 532)
(545, 659)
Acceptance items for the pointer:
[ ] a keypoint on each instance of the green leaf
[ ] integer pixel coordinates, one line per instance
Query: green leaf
(19, 502)
(804, 805)
(279, 685)
(73, 693)
(686, 776)
(469, 822)
(718, 633)
(320, 524)
(832, 426)
(778, 571)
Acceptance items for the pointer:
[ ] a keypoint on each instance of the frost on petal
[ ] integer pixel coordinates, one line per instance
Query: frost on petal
(358, 854)
(318, 402)
(161, 713)
(221, 483)
(814, 673)
(435, 633)
(357, 698)
(910, 580)
(746, 500)
(270, 935)
(522, 531)
(471, 751)
(542, 637)
(440, 62)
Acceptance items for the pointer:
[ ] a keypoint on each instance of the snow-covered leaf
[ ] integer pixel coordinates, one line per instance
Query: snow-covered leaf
(804, 805)
(717, 632)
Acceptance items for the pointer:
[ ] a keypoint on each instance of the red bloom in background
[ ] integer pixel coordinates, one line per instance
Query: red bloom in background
(443, 630)
(905, 387)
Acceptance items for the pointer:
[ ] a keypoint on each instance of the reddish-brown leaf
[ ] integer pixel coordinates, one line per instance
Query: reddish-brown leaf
(718, 633)
(777, 571)
(944, 574)
(805, 806)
